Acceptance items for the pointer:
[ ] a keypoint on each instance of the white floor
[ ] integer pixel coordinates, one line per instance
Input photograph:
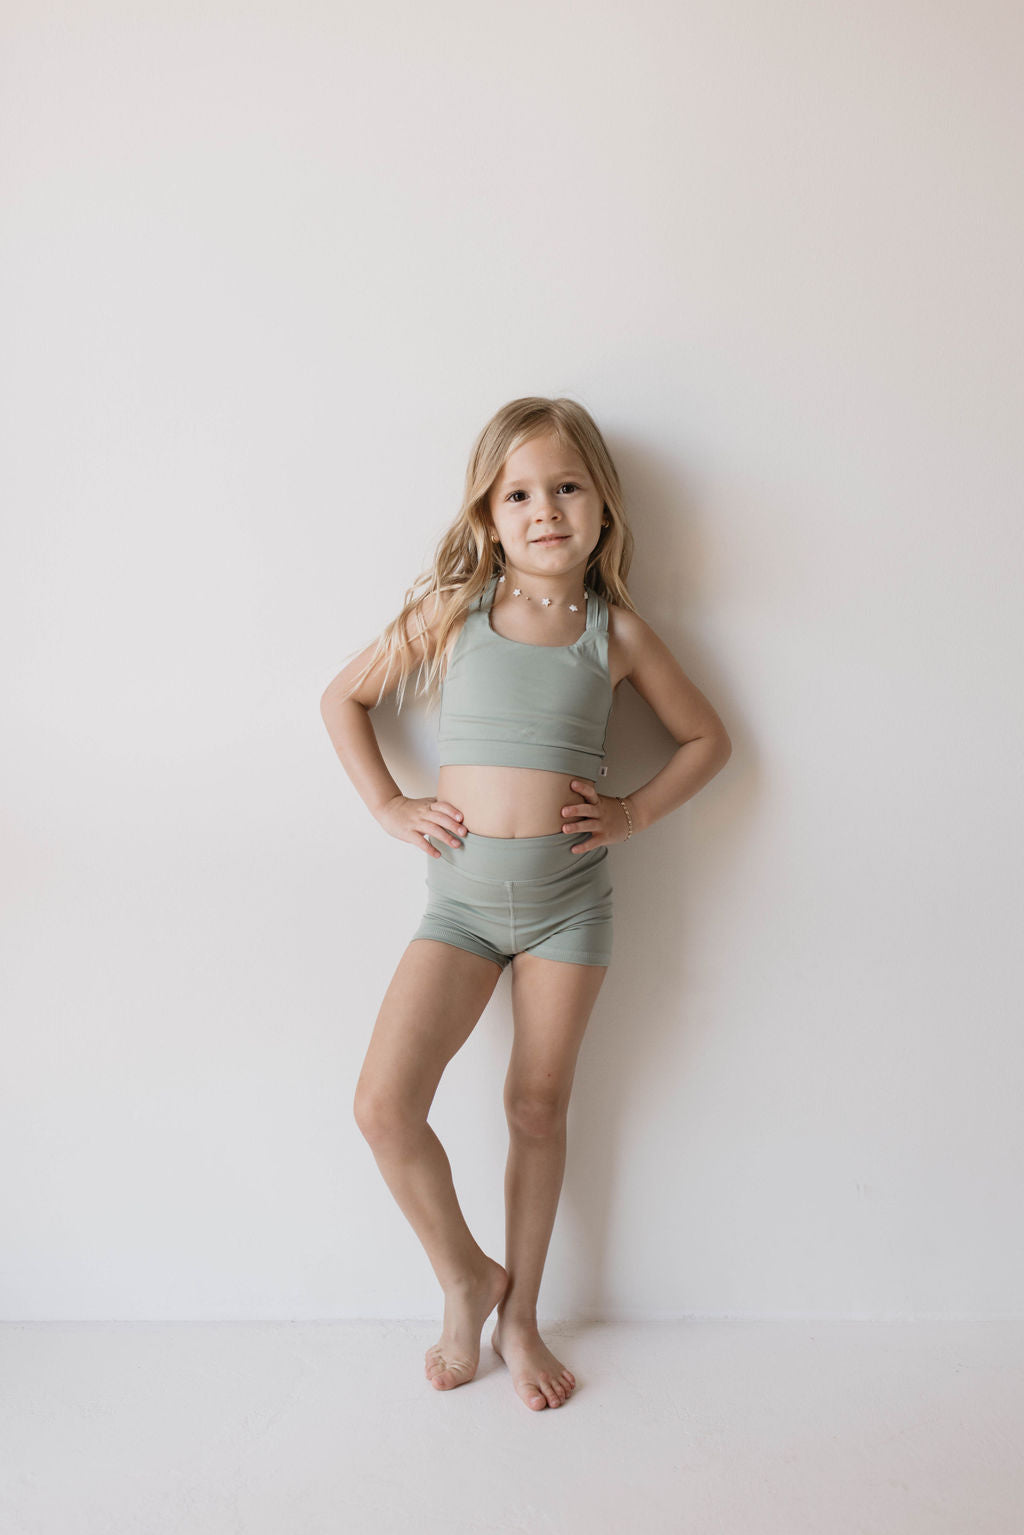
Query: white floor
(710, 1427)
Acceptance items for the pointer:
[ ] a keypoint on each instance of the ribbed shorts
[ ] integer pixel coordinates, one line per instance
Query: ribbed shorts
(501, 896)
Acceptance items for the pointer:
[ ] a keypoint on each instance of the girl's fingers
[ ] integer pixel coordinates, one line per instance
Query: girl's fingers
(445, 824)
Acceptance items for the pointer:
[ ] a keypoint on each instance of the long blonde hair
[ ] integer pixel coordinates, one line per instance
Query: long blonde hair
(466, 558)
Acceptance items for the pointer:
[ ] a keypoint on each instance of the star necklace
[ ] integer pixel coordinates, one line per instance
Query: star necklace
(545, 602)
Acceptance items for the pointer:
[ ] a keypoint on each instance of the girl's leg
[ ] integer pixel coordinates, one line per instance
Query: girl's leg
(431, 1007)
(551, 1002)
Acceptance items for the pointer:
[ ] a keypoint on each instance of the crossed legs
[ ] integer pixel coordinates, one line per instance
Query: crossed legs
(432, 1005)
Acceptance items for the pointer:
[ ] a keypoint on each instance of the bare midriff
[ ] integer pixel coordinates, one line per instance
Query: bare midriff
(508, 801)
(517, 801)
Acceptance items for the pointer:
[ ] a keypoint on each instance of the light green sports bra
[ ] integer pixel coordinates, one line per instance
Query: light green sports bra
(509, 704)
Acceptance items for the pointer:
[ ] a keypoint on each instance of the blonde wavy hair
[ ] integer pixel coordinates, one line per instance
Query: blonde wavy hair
(466, 557)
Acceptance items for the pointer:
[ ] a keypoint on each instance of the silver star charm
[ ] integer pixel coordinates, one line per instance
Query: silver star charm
(500, 579)
(545, 602)
(573, 608)
(515, 591)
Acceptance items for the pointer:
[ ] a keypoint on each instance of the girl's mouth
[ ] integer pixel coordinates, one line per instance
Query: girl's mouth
(556, 538)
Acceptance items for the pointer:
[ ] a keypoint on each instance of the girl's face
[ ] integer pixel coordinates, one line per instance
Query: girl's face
(544, 489)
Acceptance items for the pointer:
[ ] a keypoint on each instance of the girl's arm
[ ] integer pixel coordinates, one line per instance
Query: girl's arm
(353, 738)
(350, 729)
(704, 745)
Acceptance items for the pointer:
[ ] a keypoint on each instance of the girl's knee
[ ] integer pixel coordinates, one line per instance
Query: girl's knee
(537, 1116)
(384, 1118)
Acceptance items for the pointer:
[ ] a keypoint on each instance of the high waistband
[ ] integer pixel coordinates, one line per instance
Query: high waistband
(515, 858)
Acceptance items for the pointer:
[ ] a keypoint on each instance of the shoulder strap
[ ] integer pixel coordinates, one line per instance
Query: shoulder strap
(597, 611)
(486, 597)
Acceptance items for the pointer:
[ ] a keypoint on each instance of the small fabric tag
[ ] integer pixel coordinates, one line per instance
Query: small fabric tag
(602, 771)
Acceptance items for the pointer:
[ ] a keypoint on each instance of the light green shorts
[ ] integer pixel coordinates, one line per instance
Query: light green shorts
(501, 896)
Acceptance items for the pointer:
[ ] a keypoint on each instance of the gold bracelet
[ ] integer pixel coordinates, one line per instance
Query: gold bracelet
(629, 819)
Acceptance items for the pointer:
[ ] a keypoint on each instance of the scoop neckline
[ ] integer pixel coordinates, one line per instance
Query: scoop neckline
(526, 645)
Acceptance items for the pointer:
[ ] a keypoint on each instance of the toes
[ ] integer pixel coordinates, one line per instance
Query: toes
(532, 1393)
(445, 1373)
(451, 1375)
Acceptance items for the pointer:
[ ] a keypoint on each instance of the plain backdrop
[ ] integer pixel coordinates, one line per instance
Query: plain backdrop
(266, 271)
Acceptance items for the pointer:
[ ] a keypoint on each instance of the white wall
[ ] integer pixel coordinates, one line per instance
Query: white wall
(265, 273)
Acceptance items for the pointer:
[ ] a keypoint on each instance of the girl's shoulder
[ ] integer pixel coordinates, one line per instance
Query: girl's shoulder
(625, 626)
(432, 608)
(627, 636)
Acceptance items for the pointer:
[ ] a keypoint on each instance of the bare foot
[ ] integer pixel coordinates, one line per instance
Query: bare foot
(539, 1378)
(453, 1359)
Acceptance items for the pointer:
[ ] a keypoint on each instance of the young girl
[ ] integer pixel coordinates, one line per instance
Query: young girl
(524, 632)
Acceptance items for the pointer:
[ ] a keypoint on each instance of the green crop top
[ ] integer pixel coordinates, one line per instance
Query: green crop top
(509, 704)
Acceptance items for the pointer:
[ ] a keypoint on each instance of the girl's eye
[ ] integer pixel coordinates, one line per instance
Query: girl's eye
(571, 483)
